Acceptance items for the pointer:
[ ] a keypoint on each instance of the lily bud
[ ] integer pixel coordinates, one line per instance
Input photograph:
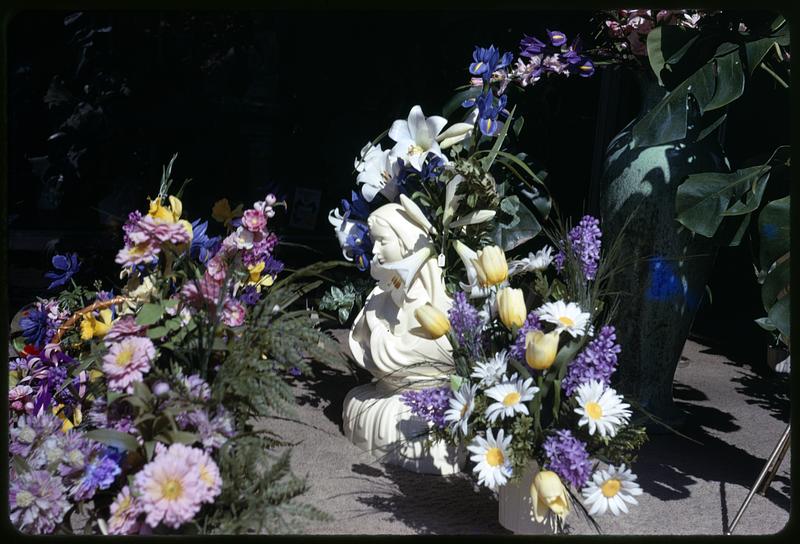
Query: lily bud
(511, 307)
(433, 320)
(541, 349)
(548, 493)
(491, 266)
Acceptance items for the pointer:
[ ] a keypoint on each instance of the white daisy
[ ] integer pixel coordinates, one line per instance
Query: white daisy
(491, 457)
(492, 371)
(611, 489)
(510, 397)
(601, 408)
(533, 262)
(565, 316)
(461, 406)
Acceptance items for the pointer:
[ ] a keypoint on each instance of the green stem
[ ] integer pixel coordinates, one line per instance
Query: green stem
(774, 75)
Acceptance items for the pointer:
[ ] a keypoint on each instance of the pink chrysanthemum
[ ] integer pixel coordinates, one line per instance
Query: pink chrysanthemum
(124, 327)
(207, 472)
(233, 313)
(254, 220)
(127, 362)
(155, 232)
(170, 487)
(137, 254)
(125, 513)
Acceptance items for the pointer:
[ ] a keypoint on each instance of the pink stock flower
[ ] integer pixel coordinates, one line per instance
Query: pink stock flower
(19, 398)
(254, 220)
(127, 362)
(137, 254)
(124, 327)
(173, 486)
(233, 313)
(157, 232)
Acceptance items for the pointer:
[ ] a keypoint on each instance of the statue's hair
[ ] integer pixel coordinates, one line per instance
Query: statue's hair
(391, 215)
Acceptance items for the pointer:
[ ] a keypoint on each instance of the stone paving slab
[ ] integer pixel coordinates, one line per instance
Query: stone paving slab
(737, 415)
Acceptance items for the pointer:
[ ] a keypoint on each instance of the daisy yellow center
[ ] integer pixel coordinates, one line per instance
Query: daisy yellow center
(593, 410)
(610, 488)
(414, 149)
(511, 399)
(124, 357)
(566, 321)
(495, 457)
(171, 489)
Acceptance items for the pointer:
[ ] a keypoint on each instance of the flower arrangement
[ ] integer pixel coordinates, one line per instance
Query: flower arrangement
(533, 346)
(144, 412)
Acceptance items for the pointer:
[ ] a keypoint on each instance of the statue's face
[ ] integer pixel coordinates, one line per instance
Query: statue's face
(387, 246)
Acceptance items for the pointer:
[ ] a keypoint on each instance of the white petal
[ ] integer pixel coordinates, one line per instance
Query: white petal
(436, 124)
(399, 131)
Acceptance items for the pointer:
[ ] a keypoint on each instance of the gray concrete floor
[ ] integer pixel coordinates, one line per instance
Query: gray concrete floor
(736, 414)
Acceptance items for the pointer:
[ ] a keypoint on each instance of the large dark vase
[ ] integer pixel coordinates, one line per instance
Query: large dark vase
(666, 266)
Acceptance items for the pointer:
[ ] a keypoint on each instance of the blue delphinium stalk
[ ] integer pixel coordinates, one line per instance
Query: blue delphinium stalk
(429, 404)
(584, 239)
(597, 361)
(466, 323)
(567, 457)
(517, 349)
(65, 266)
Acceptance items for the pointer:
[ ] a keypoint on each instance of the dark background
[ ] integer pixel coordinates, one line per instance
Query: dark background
(283, 101)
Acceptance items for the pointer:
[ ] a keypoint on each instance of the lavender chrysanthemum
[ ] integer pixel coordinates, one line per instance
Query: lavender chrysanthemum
(584, 239)
(465, 323)
(567, 457)
(429, 404)
(517, 349)
(597, 361)
(37, 501)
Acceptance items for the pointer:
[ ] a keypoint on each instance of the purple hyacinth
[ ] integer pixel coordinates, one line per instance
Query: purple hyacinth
(597, 361)
(37, 501)
(584, 239)
(518, 347)
(567, 457)
(465, 323)
(429, 404)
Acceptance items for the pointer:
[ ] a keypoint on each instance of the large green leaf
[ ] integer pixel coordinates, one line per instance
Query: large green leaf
(667, 45)
(779, 315)
(117, 439)
(730, 81)
(776, 281)
(519, 229)
(773, 228)
(149, 314)
(703, 199)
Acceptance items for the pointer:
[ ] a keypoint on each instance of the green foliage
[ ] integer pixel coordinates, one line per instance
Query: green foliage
(75, 297)
(773, 225)
(345, 301)
(623, 447)
(523, 447)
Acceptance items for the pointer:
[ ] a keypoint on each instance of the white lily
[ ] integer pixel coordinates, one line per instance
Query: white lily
(378, 171)
(416, 214)
(473, 218)
(416, 137)
(396, 277)
(343, 227)
(451, 200)
(468, 257)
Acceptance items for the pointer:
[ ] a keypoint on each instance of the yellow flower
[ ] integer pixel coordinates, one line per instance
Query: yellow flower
(167, 214)
(548, 493)
(491, 266)
(433, 320)
(541, 349)
(222, 211)
(77, 417)
(91, 326)
(511, 307)
(255, 271)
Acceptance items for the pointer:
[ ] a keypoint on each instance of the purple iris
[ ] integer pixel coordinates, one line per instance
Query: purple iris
(530, 46)
(203, 247)
(487, 60)
(356, 208)
(249, 296)
(65, 266)
(488, 112)
(432, 168)
(557, 38)
(359, 245)
(578, 64)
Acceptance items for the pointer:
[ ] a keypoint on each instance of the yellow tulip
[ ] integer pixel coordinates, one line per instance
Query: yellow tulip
(511, 307)
(491, 266)
(541, 349)
(433, 320)
(176, 207)
(548, 493)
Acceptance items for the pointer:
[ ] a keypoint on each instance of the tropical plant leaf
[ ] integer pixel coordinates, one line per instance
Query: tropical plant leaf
(779, 315)
(774, 231)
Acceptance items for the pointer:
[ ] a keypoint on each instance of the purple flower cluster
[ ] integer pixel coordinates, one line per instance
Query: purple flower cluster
(40, 323)
(597, 361)
(465, 323)
(567, 457)
(554, 57)
(429, 404)
(43, 381)
(584, 239)
(531, 324)
(37, 501)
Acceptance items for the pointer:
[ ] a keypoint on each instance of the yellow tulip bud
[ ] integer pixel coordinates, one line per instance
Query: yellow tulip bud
(491, 266)
(541, 349)
(548, 493)
(433, 320)
(159, 211)
(176, 207)
(511, 307)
